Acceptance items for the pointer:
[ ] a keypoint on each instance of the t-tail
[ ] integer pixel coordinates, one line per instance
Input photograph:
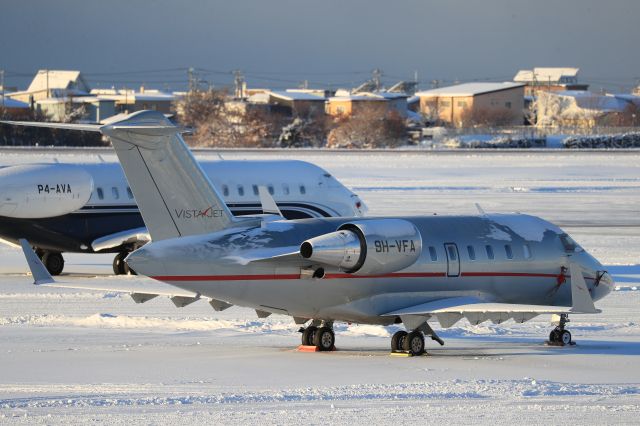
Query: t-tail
(175, 196)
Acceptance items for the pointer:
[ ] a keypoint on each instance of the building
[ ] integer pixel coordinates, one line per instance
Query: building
(51, 84)
(549, 79)
(345, 104)
(474, 103)
(129, 101)
(586, 109)
(13, 109)
(300, 104)
(88, 109)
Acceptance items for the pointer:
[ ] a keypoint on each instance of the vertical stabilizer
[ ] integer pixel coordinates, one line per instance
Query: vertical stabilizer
(175, 197)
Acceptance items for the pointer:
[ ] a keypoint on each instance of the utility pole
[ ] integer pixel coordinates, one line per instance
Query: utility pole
(2, 84)
(376, 76)
(48, 93)
(238, 79)
(192, 80)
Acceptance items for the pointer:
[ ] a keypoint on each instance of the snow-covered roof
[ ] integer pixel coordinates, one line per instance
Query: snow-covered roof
(12, 103)
(75, 100)
(592, 101)
(367, 96)
(57, 79)
(296, 96)
(469, 89)
(131, 96)
(553, 75)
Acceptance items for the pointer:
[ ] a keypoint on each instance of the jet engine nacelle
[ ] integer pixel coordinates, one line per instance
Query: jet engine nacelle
(42, 190)
(368, 247)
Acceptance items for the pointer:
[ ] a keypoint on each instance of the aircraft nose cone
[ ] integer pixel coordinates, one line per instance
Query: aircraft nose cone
(144, 262)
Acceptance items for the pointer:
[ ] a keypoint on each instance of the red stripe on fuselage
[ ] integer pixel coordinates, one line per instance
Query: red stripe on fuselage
(346, 276)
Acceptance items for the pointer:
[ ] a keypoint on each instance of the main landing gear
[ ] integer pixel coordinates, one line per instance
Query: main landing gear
(120, 267)
(559, 336)
(319, 335)
(53, 261)
(412, 343)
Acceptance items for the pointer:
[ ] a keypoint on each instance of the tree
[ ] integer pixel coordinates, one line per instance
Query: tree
(371, 126)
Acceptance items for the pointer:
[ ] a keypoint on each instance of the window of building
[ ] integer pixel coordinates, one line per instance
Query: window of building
(472, 252)
(303, 190)
(225, 190)
(433, 253)
(100, 193)
(508, 251)
(255, 190)
(271, 190)
(241, 190)
(285, 189)
(489, 249)
(114, 192)
(526, 251)
(507, 104)
(462, 104)
(445, 104)
(129, 193)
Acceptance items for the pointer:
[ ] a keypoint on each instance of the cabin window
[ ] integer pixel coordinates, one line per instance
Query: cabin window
(241, 190)
(472, 252)
(129, 193)
(489, 249)
(526, 251)
(114, 192)
(255, 190)
(271, 190)
(100, 193)
(285, 189)
(508, 251)
(452, 252)
(225, 190)
(569, 245)
(433, 253)
(303, 190)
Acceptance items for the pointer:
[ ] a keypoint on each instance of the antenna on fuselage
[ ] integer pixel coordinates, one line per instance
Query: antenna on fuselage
(480, 210)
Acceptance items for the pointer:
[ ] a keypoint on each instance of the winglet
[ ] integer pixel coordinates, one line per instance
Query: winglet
(38, 270)
(581, 300)
(269, 205)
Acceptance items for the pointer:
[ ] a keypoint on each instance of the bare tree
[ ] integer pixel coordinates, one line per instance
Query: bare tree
(370, 127)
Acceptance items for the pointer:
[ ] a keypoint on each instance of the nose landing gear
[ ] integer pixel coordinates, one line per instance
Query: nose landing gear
(559, 336)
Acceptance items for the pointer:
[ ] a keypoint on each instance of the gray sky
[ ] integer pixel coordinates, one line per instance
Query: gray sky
(281, 42)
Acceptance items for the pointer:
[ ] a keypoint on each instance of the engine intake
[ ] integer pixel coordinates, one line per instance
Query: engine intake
(368, 247)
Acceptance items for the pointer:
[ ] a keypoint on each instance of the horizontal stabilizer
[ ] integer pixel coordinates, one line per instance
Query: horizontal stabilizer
(63, 126)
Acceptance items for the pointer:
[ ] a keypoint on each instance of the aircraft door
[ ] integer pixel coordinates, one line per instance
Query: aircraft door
(453, 260)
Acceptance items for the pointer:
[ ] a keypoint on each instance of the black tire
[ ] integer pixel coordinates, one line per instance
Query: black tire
(324, 339)
(54, 262)
(414, 343)
(553, 336)
(308, 334)
(119, 266)
(565, 337)
(397, 339)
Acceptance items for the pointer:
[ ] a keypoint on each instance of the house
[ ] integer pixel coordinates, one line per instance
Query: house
(53, 83)
(345, 104)
(88, 109)
(128, 101)
(474, 103)
(13, 109)
(549, 80)
(300, 104)
(586, 109)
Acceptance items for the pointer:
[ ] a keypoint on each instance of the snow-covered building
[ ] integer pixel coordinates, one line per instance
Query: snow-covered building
(585, 109)
(475, 103)
(52, 84)
(345, 103)
(549, 79)
(13, 109)
(87, 109)
(128, 101)
(298, 103)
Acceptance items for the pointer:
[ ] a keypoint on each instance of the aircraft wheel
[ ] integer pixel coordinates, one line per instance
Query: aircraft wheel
(119, 264)
(414, 343)
(397, 339)
(308, 334)
(554, 336)
(54, 262)
(324, 339)
(565, 337)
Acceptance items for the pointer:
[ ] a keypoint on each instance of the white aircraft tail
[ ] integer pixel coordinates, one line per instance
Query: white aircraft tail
(175, 197)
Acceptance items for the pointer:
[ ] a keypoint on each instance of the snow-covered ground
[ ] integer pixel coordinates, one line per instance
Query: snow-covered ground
(75, 356)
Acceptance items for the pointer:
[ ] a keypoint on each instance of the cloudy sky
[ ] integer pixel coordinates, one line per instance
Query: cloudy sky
(278, 43)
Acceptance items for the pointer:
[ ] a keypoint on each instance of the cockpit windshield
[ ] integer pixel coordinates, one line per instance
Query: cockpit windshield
(569, 245)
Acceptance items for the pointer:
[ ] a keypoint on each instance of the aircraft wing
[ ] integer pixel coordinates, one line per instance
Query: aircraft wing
(448, 311)
(128, 236)
(139, 292)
